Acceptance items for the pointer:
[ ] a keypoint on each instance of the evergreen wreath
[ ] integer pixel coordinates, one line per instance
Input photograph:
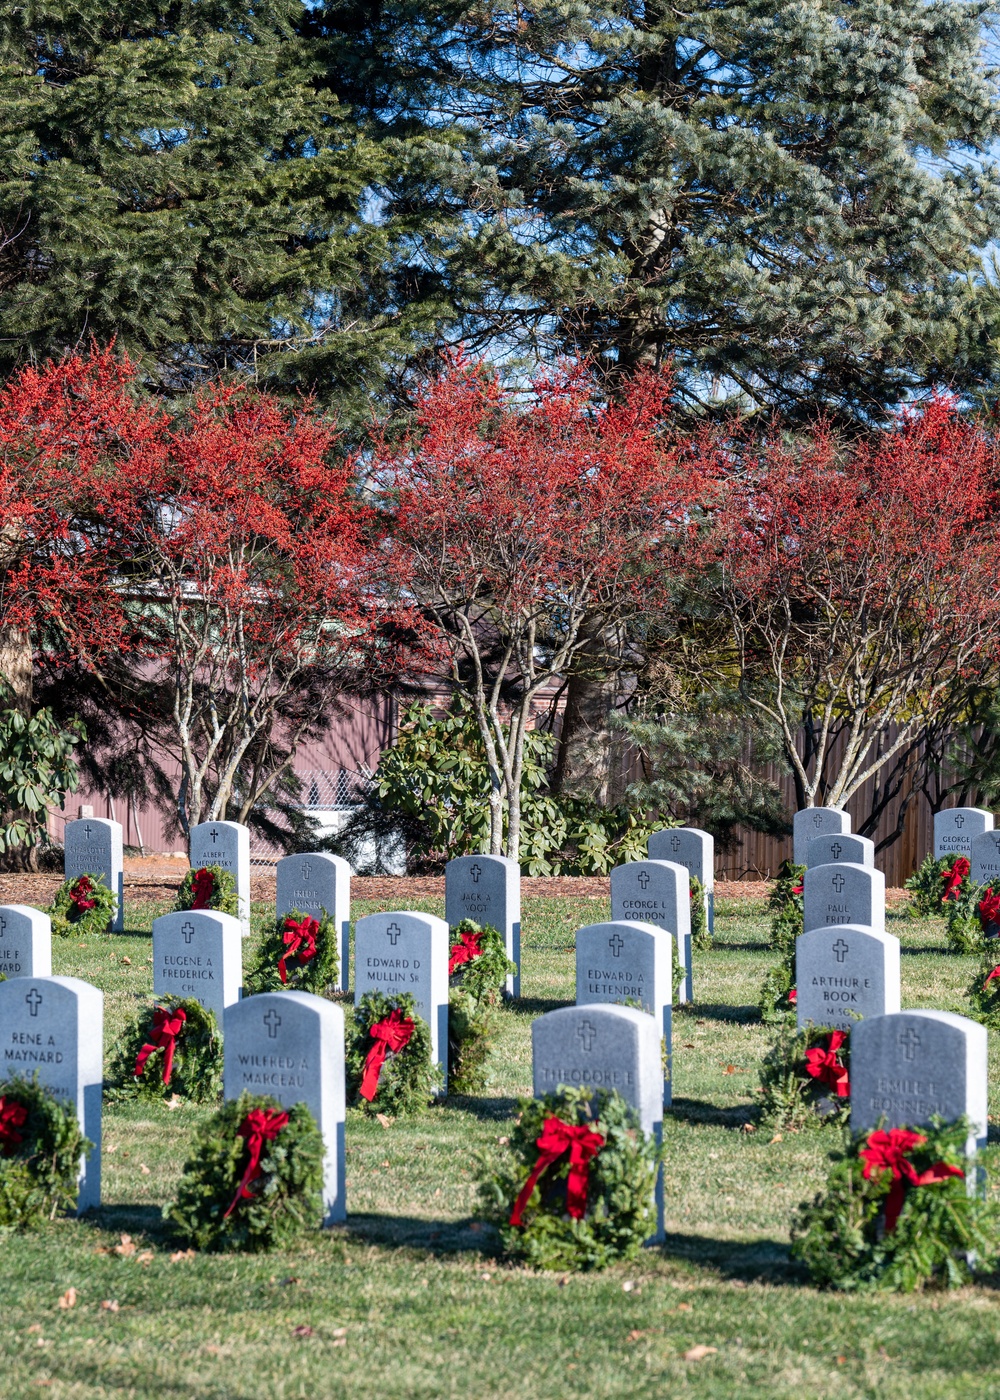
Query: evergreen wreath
(301, 947)
(389, 1056)
(478, 967)
(788, 903)
(591, 1200)
(254, 1179)
(935, 884)
(83, 907)
(209, 887)
(778, 992)
(967, 922)
(805, 1078)
(40, 1150)
(701, 937)
(984, 990)
(896, 1214)
(183, 1039)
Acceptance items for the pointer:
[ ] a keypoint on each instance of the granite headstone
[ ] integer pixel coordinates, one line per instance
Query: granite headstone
(227, 845)
(844, 893)
(816, 821)
(828, 850)
(25, 942)
(845, 972)
(955, 828)
(93, 846)
(657, 892)
(695, 850)
(984, 862)
(312, 883)
(487, 889)
(623, 963)
(198, 953)
(407, 952)
(291, 1045)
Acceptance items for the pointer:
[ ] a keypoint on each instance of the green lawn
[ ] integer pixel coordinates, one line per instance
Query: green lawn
(410, 1300)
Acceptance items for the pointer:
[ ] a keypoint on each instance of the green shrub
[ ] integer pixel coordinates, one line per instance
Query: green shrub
(778, 992)
(39, 1174)
(317, 974)
(701, 937)
(786, 900)
(407, 1080)
(196, 1070)
(83, 907)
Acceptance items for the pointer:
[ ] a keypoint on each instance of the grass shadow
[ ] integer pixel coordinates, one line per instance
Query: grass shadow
(741, 947)
(128, 1218)
(718, 1011)
(748, 1261)
(938, 950)
(486, 1110)
(437, 1237)
(536, 1006)
(700, 1111)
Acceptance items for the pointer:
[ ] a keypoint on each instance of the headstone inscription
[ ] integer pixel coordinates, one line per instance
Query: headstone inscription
(25, 942)
(695, 850)
(816, 821)
(955, 828)
(226, 844)
(657, 892)
(291, 1045)
(984, 862)
(624, 964)
(93, 846)
(488, 890)
(845, 972)
(312, 883)
(911, 1065)
(407, 952)
(198, 953)
(829, 850)
(54, 1027)
(604, 1047)
(844, 893)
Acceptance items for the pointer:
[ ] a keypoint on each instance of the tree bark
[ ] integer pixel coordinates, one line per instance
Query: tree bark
(583, 765)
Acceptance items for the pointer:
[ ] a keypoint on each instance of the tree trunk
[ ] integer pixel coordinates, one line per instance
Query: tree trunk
(583, 765)
(16, 675)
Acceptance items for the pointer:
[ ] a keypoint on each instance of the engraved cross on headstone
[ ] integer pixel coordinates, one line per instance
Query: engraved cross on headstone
(838, 883)
(33, 1000)
(87, 830)
(305, 870)
(214, 835)
(475, 871)
(616, 943)
(3, 925)
(272, 1021)
(836, 849)
(841, 950)
(960, 821)
(587, 1032)
(643, 878)
(910, 1041)
(187, 929)
(675, 843)
(817, 821)
(394, 931)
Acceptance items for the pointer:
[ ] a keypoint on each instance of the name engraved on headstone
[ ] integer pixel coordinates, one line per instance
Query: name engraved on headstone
(844, 893)
(54, 1027)
(25, 942)
(622, 963)
(845, 972)
(198, 953)
(227, 845)
(842, 846)
(984, 862)
(816, 821)
(695, 850)
(956, 828)
(291, 1045)
(313, 883)
(93, 846)
(487, 889)
(405, 951)
(657, 892)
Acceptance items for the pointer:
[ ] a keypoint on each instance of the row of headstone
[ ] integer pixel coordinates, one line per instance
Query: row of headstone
(93, 846)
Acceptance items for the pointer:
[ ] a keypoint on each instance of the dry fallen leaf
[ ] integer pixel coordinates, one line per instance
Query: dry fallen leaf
(683, 1307)
(68, 1299)
(35, 1327)
(110, 1305)
(288, 1282)
(126, 1247)
(385, 1164)
(384, 1119)
(777, 1137)
(841, 1360)
(145, 1256)
(127, 962)
(144, 1169)
(729, 1069)
(181, 1255)
(628, 1285)
(174, 1101)
(112, 1149)
(503, 1141)
(699, 1352)
(749, 1127)
(339, 1332)
(340, 1341)
(303, 1330)
(563, 1281)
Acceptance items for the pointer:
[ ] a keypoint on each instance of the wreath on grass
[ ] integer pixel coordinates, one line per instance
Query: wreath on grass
(575, 1189)
(41, 1145)
(973, 914)
(896, 1214)
(805, 1078)
(778, 992)
(389, 1066)
(701, 937)
(254, 1179)
(478, 967)
(984, 991)
(936, 884)
(209, 887)
(172, 1046)
(300, 954)
(787, 900)
(83, 907)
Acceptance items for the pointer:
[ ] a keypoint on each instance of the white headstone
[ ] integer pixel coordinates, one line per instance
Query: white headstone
(621, 963)
(657, 892)
(845, 972)
(407, 952)
(312, 883)
(695, 850)
(198, 953)
(291, 1045)
(487, 889)
(816, 821)
(93, 846)
(830, 850)
(25, 941)
(226, 844)
(844, 893)
(907, 1067)
(955, 828)
(984, 862)
(604, 1047)
(54, 1026)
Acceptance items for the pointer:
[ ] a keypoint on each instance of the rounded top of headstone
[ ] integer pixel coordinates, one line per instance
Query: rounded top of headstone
(104, 822)
(295, 1004)
(459, 864)
(430, 923)
(833, 847)
(624, 928)
(337, 863)
(828, 934)
(213, 917)
(641, 1020)
(671, 867)
(24, 911)
(63, 987)
(974, 1030)
(817, 874)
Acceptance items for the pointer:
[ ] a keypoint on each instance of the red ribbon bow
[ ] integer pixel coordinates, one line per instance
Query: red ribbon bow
(824, 1065)
(259, 1126)
(468, 947)
(202, 889)
(166, 1028)
(797, 889)
(793, 996)
(994, 973)
(80, 893)
(954, 877)
(13, 1115)
(391, 1034)
(300, 942)
(558, 1137)
(989, 908)
(887, 1152)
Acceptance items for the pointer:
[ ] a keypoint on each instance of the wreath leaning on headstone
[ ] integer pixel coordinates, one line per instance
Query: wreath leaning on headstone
(973, 914)
(171, 1046)
(936, 884)
(896, 1214)
(83, 907)
(805, 1078)
(40, 1149)
(298, 954)
(788, 903)
(478, 967)
(575, 1187)
(984, 990)
(778, 992)
(254, 1179)
(209, 887)
(388, 1057)
(701, 937)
